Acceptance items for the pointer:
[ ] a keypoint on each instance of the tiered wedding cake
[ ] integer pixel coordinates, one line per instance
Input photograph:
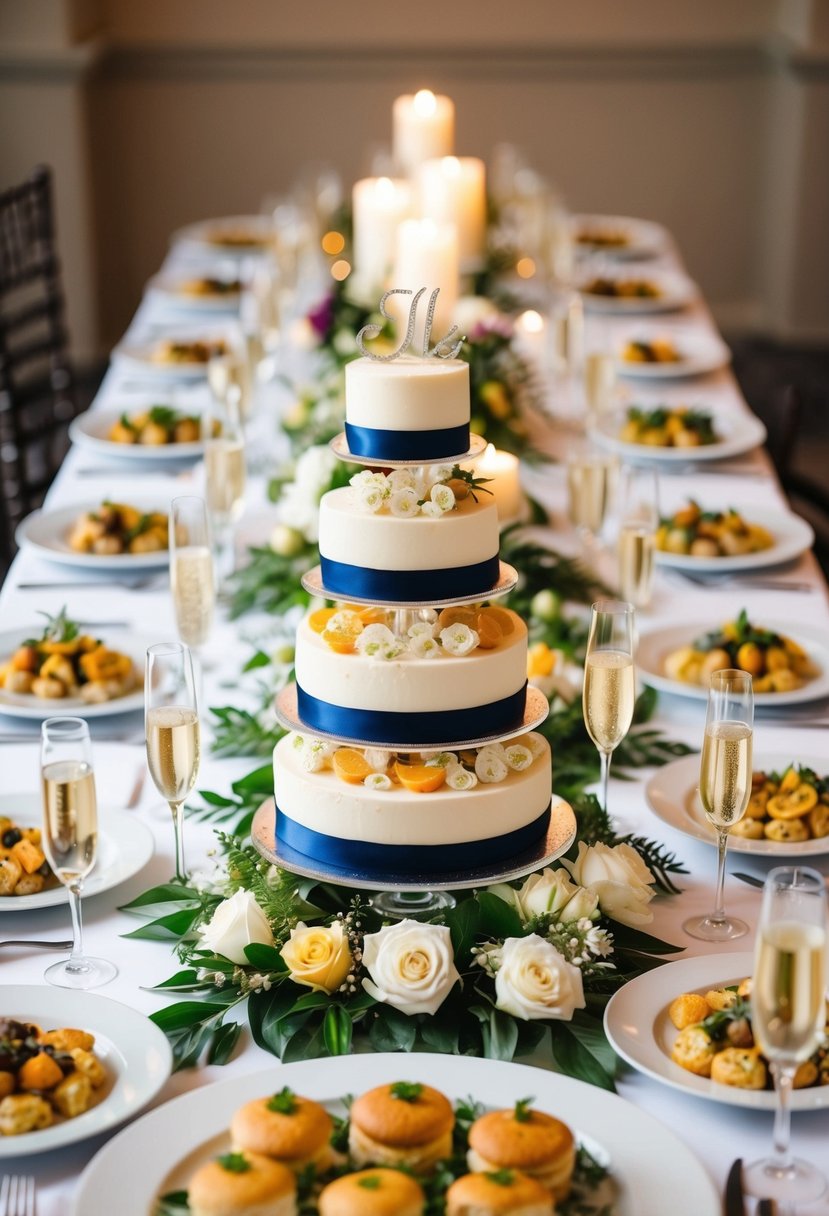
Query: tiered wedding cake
(367, 670)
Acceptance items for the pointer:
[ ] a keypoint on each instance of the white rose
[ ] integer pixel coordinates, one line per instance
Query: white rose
(404, 503)
(401, 479)
(620, 879)
(236, 923)
(548, 891)
(535, 981)
(584, 904)
(411, 966)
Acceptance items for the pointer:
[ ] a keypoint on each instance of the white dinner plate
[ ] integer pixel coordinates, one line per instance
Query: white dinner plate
(27, 705)
(700, 353)
(45, 533)
(637, 1024)
(135, 357)
(655, 646)
(645, 1158)
(675, 291)
(91, 430)
(791, 537)
(203, 235)
(643, 238)
(168, 289)
(673, 796)
(740, 433)
(134, 1052)
(125, 845)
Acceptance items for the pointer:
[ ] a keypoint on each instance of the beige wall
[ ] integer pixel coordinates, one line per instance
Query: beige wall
(711, 116)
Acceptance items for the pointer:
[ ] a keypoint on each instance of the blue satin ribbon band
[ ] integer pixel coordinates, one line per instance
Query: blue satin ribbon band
(381, 585)
(364, 855)
(378, 444)
(433, 728)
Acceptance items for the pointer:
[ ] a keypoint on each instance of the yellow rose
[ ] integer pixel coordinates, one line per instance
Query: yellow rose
(541, 660)
(317, 956)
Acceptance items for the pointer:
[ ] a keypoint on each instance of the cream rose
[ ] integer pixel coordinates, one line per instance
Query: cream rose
(236, 923)
(620, 879)
(411, 966)
(317, 956)
(548, 891)
(535, 981)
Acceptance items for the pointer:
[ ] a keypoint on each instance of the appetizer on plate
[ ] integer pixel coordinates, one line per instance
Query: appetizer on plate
(159, 425)
(787, 807)
(63, 662)
(24, 869)
(602, 238)
(238, 238)
(207, 287)
(173, 351)
(118, 528)
(698, 533)
(45, 1076)
(668, 427)
(657, 350)
(775, 662)
(621, 289)
(716, 1040)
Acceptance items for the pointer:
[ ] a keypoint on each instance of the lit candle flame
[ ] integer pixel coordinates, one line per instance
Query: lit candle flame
(425, 102)
(531, 321)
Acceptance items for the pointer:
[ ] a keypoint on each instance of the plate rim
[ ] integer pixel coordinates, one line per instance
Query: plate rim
(766, 518)
(83, 438)
(90, 561)
(722, 967)
(625, 1131)
(754, 435)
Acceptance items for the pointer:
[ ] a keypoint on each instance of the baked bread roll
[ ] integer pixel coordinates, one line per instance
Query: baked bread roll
(404, 1123)
(242, 1184)
(286, 1128)
(377, 1192)
(527, 1140)
(504, 1193)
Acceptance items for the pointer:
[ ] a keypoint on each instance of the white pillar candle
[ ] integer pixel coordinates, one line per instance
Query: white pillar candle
(504, 484)
(531, 337)
(452, 190)
(424, 127)
(427, 256)
(380, 204)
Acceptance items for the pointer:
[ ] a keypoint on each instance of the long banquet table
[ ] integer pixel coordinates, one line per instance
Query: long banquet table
(717, 1133)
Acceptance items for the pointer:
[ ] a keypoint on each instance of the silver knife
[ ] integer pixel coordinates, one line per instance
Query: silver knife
(734, 1203)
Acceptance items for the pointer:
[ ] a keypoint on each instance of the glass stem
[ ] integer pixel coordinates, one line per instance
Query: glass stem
(177, 809)
(783, 1074)
(75, 962)
(604, 758)
(718, 915)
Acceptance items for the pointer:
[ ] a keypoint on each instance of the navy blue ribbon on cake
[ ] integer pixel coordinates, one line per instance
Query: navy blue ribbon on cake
(380, 585)
(375, 443)
(365, 855)
(434, 728)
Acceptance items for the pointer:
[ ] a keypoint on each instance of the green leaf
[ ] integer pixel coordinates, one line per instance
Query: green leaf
(265, 1011)
(185, 1014)
(577, 1060)
(463, 921)
(306, 1044)
(440, 1034)
(628, 938)
(259, 659)
(498, 919)
(223, 1042)
(167, 928)
(259, 781)
(337, 1030)
(392, 1030)
(265, 958)
(181, 981)
(167, 893)
(500, 1035)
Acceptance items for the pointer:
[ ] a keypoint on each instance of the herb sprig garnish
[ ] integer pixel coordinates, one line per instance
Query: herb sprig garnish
(234, 1163)
(406, 1091)
(283, 1103)
(522, 1112)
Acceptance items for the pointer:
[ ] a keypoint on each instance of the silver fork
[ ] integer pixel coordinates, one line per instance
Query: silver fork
(759, 584)
(137, 584)
(17, 1195)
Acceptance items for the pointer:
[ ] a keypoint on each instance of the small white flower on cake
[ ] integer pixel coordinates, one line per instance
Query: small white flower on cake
(316, 754)
(489, 766)
(390, 651)
(445, 760)
(377, 781)
(431, 510)
(401, 479)
(517, 756)
(369, 498)
(366, 478)
(424, 646)
(458, 639)
(373, 639)
(403, 503)
(443, 498)
(460, 778)
(377, 758)
(535, 742)
(424, 629)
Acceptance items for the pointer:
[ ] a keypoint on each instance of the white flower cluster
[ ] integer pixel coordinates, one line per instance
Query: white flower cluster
(298, 506)
(316, 755)
(406, 492)
(424, 639)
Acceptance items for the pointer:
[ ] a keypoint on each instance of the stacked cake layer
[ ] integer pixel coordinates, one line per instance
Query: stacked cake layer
(407, 409)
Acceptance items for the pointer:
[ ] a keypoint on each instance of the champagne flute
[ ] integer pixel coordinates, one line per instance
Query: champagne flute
(224, 463)
(609, 680)
(70, 837)
(635, 544)
(588, 489)
(172, 729)
(599, 385)
(788, 1015)
(725, 785)
(191, 573)
(229, 377)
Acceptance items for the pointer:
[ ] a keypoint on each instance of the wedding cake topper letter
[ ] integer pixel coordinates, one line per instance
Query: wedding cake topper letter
(438, 351)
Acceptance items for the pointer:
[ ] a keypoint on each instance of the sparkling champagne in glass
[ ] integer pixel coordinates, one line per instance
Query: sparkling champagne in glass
(70, 837)
(224, 466)
(638, 521)
(609, 680)
(172, 730)
(589, 484)
(191, 572)
(788, 1015)
(725, 785)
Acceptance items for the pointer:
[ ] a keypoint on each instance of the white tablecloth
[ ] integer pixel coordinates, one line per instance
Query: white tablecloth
(717, 1133)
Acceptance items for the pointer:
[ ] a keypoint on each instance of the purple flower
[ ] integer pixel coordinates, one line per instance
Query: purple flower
(321, 316)
(500, 325)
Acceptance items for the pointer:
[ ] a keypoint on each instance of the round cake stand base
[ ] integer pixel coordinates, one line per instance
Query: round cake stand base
(426, 886)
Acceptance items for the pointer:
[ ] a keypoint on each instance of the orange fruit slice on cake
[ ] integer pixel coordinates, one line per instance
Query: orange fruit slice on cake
(318, 620)
(458, 613)
(419, 778)
(504, 618)
(350, 765)
(489, 631)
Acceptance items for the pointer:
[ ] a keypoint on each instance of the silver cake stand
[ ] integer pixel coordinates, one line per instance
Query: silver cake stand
(507, 580)
(287, 713)
(420, 894)
(339, 446)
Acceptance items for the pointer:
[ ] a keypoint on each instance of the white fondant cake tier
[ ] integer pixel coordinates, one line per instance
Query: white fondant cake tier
(411, 699)
(380, 555)
(320, 814)
(408, 408)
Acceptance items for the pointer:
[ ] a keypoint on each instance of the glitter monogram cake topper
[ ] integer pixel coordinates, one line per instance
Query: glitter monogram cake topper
(440, 350)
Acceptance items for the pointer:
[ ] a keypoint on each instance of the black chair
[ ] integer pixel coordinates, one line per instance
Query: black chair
(37, 400)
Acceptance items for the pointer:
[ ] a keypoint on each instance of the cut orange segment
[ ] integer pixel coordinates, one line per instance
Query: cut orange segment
(488, 630)
(504, 618)
(350, 765)
(342, 630)
(458, 613)
(373, 616)
(418, 778)
(319, 619)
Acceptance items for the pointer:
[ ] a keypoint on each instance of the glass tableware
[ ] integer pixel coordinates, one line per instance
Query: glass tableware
(638, 515)
(609, 680)
(172, 731)
(224, 466)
